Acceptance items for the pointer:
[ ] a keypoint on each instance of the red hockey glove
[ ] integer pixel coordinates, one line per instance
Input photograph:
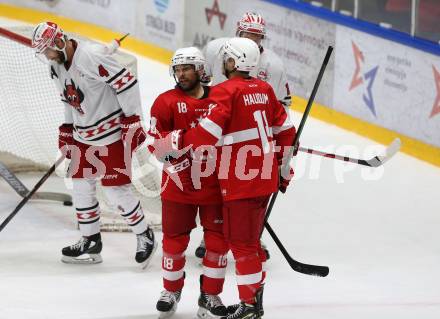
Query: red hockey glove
(65, 139)
(285, 178)
(133, 134)
(179, 170)
(169, 146)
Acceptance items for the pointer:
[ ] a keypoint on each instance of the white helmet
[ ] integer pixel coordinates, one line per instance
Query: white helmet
(251, 22)
(44, 36)
(189, 55)
(243, 51)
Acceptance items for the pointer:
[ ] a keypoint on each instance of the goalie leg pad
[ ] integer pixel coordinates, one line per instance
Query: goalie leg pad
(128, 206)
(86, 205)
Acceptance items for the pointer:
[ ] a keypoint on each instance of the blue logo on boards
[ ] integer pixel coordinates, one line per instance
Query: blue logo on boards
(161, 5)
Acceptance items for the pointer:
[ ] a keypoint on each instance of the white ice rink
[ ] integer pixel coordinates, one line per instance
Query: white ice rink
(377, 230)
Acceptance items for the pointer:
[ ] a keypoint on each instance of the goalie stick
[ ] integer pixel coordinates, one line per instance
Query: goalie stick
(376, 161)
(313, 270)
(30, 194)
(22, 190)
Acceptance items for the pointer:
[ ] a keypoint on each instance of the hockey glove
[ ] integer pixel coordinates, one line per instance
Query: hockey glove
(65, 139)
(133, 134)
(285, 178)
(169, 146)
(179, 170)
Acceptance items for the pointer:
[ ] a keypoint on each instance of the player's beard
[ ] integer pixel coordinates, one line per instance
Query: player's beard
(226, 72)
(60, 59)
(191, 85)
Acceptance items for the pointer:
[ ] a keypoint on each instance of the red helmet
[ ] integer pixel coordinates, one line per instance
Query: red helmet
(44, 36)
(251, 22)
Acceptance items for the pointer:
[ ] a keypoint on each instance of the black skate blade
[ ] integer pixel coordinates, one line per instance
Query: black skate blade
(168, 314)
(87, 260)
(203, 313)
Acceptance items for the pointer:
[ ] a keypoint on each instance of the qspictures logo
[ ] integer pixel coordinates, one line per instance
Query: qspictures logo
(363, 78)
(436, 106)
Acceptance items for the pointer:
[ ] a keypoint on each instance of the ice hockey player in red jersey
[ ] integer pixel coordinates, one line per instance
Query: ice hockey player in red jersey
(270, 67)
(256, 133)
(101, 128)
(179, 109)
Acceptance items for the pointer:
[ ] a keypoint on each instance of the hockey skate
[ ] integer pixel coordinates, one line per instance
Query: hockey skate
(211, 307)
(201, 250)
(245, 311)
(259, 304)
(167, 303)
(146, 246)
(85, 251)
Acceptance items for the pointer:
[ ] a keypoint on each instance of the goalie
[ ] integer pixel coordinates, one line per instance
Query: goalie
(100, 131)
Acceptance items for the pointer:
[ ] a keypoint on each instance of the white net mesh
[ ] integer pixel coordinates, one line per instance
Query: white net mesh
(30, 113)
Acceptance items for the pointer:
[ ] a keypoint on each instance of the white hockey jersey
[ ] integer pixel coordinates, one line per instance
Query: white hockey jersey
(269, 69)
(96, 90)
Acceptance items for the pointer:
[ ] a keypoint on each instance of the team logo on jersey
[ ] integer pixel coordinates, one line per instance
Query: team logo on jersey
(263, 75)
(103, 71)
(73, 95)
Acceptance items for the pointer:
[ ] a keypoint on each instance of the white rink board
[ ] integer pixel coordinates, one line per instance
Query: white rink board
(300, 40)
(155, 21)
(379, 237)
(403, 90)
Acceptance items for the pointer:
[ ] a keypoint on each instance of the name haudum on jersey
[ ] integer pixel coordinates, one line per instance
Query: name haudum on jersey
(255, 98)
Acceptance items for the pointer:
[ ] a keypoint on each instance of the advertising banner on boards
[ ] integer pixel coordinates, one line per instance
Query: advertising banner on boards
(388, 84)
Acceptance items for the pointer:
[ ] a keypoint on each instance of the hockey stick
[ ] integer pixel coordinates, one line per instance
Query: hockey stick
(307, 269)
(31, 193)
(22, 190)
(376, 161)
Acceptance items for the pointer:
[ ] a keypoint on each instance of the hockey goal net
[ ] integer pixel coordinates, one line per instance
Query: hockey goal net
(30, 113)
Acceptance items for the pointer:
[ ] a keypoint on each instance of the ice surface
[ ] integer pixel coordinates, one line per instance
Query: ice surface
(377, 230)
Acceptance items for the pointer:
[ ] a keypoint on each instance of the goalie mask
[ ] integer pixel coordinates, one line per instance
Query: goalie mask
(244, 52)
(43, 37)
(190, 56)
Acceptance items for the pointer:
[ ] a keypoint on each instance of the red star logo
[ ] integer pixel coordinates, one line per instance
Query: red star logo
(359, 58)
(436, 107)
(215, 11)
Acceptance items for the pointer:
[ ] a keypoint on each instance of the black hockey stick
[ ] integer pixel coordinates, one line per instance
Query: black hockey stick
(312, 270)
(376, 161)
(31, 193)
(307, 269)
(22, 190)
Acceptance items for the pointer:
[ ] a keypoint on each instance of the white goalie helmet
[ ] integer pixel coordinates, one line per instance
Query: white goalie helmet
(251, 22)
(189, 55)
(44, 36)
(244, 52)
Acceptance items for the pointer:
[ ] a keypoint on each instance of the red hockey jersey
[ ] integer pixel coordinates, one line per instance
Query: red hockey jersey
(247, 120)
(174, 110)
